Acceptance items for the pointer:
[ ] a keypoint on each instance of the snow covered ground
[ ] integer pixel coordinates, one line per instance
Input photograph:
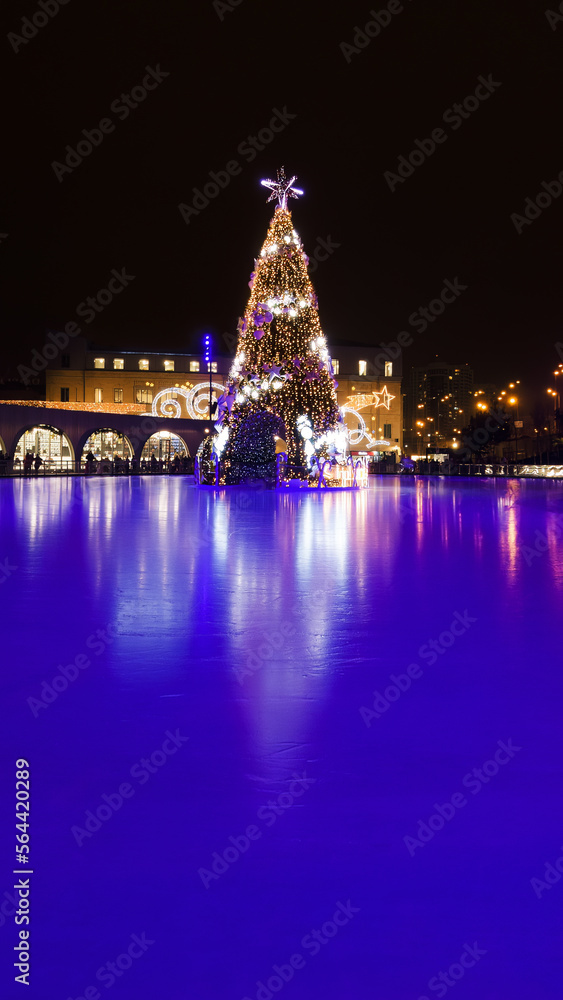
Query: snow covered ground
(321, 733)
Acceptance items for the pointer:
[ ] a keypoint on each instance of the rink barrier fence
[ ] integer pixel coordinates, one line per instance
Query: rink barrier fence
(445, 470)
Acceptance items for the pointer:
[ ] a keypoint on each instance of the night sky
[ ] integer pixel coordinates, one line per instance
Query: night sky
(355, 114)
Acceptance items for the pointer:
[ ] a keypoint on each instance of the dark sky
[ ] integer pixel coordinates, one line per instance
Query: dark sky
(450, 219)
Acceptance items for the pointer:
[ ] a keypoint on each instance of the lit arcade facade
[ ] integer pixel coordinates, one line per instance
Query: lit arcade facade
(63, 437)
(180, 385)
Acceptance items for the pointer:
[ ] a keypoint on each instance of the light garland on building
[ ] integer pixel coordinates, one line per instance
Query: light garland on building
(86, 407)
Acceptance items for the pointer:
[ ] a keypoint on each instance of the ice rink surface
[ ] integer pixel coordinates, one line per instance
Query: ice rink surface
(230, 779)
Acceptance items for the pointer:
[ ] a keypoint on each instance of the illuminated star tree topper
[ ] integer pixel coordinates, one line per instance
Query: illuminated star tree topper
(282, 189)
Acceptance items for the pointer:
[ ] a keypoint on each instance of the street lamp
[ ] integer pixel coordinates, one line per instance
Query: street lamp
(555, 395)
(558, 398)
(207, 352)
(512, 401)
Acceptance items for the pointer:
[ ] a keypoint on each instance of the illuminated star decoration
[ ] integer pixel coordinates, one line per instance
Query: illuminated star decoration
(387, 397)
(375, 399)
(282, 189)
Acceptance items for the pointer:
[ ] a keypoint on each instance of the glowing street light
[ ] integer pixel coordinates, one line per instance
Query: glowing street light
(207, 354)
(513, 401)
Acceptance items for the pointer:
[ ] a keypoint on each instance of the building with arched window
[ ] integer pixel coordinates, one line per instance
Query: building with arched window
(369, 385)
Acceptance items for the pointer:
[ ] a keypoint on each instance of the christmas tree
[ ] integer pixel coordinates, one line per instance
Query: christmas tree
(281, 384)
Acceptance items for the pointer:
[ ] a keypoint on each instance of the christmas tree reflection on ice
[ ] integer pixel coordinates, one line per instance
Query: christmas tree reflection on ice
(281, 384)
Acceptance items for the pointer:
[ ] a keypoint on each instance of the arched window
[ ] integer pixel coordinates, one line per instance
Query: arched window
(107, 444)
(52, 446)
(164, 445)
